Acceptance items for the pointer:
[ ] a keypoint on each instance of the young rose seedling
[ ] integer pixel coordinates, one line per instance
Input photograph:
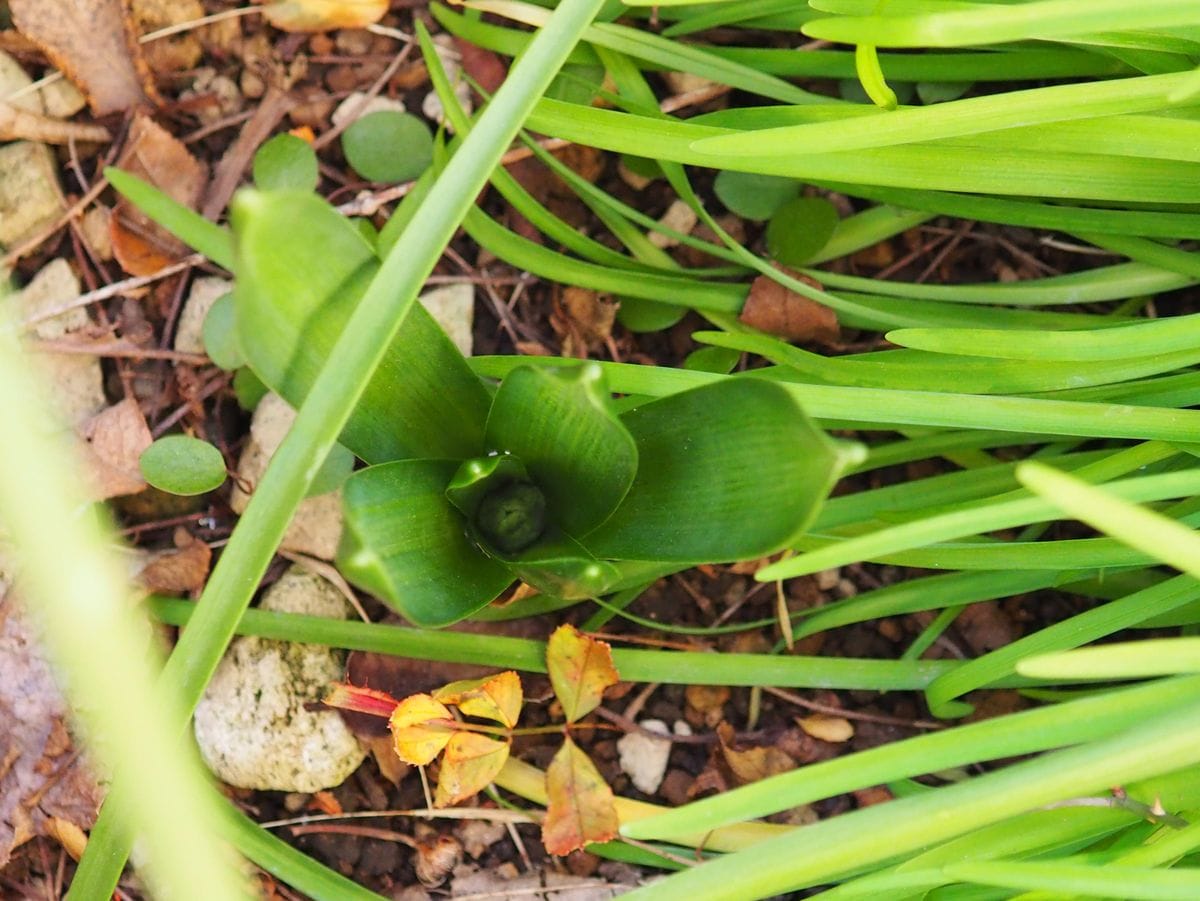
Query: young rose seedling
(424, 726)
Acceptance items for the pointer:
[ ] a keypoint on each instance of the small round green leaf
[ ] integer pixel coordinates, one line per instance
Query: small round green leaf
(388, 146)
(286, 162)
(754, 196)
(640, 315)
(248, 388)
(220, 334)
(181, 465)
(713, 359)
(799, 229)
(932, 92)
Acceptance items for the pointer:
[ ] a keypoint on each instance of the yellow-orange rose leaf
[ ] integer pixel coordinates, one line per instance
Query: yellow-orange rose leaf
(580, 808)
(497, 698)
(323, 15)
(580, 669)
(469, 765)
(421, 727)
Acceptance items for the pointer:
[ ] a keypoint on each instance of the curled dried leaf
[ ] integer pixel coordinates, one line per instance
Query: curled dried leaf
(776, 310)
(497, 698)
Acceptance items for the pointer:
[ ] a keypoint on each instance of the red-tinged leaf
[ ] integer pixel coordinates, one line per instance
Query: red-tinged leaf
(469, 765)
(580, 669)
(362, 700)
(581, 808)
(421, 727)
(497, 698)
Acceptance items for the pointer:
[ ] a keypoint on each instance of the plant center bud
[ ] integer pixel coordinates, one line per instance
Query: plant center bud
(512, 517)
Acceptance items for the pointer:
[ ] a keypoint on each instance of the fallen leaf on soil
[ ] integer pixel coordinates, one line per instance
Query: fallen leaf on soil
(323, 15)
(835, 729)
(93, 44)
(583, 319)
(753, 763)
(183, 569)
(21, 125)
(496, 698)
(42, 779)
(114, 440)
(580, 669)
(179, 51)
(580, 808)
(705, 704)
(154, 155)
(469, 764)
(776, 310)
(421, 728)
(486, 69)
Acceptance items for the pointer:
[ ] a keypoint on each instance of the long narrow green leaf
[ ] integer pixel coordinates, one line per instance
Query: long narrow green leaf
(1108, 881)
(1123, 660)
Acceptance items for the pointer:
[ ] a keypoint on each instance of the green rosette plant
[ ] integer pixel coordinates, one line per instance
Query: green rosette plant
(470, 487)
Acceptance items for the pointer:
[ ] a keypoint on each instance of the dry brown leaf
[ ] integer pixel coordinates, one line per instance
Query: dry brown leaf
(323, 15)
(485, 68)
(92, 42)
(183, 569)
(154, 155)
(177, 52)
(834, 729)
(705, 704)
(752, 763)
(584, 320)
(22, 125)
(115, 438)
(776, 310)
(42, 778)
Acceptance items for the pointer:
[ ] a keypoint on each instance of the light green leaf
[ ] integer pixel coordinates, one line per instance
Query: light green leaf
(732, 470)
(182, 465)
(220, 334)
(753, 196)
(404, 542)
(560, 425)
(301, 269)
(388, 146)
(333, 472)
(800, 228)
(285, 162)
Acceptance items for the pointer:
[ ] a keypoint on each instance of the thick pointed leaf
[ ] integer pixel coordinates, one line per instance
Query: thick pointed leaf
(580, 668)
(581, 807)
(560, 425)
(495, 697)
(421, 727)
(301, 268)
(469, 765)
(404, 542)
(728, 471)
(561, 567)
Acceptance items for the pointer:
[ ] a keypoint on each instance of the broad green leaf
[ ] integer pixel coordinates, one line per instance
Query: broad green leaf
(301, 269)
(753, 196)
(799, 229)
(580, 668)
(561, 567)
(403, 541)
(732, 470)
(286, 162)
(388, 146)
(560, 425)
(220, 334)
(338, 465)
(248, 388)
(179, 464)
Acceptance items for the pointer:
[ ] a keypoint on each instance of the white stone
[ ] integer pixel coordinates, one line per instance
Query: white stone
(679, 217)
(30, 198)
(644, 759)
(189, 336)
(76, 380)
(253, 727)
(317, 525)
(453, 306)
(13, 78)
(359, 104)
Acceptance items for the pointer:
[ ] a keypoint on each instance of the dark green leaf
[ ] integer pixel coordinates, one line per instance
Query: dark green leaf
(639, 315)
(712, 359)
(799, 229)
(286, 162)
(754, 196)
(220, 335)
(941, 91)
(388, 146)
(558, 423)
(732, 470)
(563, 568)
(301, 269)
(404, 542)
(182, 465)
